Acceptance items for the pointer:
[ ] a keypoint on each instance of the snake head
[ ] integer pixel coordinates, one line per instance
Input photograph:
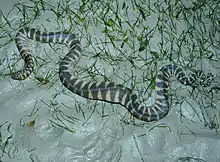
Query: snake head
(206, 79)
(201, 79)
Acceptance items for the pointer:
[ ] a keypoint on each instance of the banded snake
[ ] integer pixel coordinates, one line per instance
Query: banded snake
(105, 91)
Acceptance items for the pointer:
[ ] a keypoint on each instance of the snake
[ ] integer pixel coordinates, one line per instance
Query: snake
(105, 91)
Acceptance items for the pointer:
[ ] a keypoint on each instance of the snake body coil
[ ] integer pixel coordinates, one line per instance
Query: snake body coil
(105, 91)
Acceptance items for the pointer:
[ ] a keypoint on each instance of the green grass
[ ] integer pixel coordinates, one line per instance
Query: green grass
(139, 36)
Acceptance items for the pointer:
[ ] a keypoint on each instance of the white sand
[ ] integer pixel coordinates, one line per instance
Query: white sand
(98, 132)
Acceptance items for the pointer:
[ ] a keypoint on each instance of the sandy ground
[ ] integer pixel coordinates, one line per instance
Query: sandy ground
(43, 121)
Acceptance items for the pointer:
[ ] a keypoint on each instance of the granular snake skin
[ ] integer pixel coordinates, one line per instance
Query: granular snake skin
(105, 91)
